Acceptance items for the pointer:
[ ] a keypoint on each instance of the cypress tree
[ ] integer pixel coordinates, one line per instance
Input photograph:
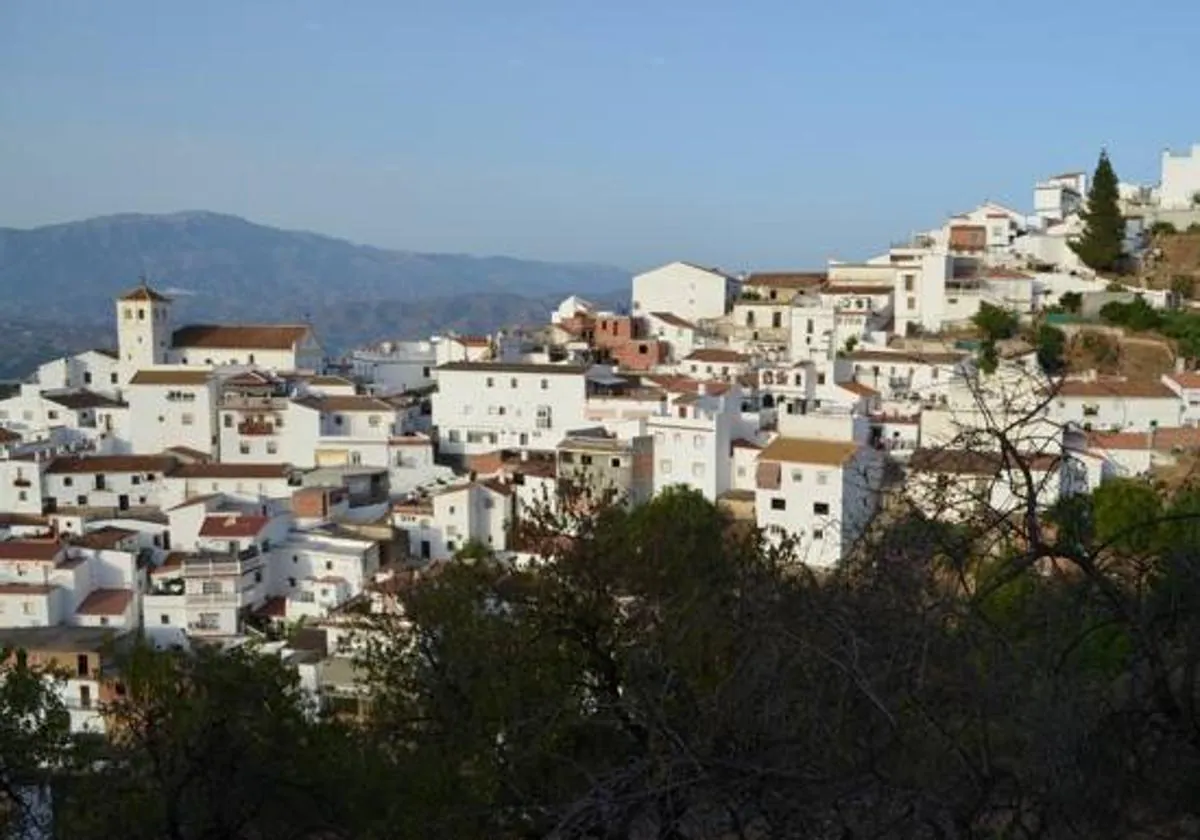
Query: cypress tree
(1101, 245)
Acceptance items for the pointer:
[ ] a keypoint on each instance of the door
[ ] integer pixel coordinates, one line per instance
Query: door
(85, 697)
(122, 502)
(426, 549)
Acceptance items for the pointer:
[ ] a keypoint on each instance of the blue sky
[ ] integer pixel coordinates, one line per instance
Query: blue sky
(745, 134)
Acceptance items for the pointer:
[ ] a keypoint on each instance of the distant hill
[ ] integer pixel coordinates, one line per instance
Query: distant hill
(57, 282)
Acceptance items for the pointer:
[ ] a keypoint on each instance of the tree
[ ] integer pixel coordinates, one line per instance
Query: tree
(1101, 244)
(995, 323)
(1051, 346)
(1071, 302)
(34, 744)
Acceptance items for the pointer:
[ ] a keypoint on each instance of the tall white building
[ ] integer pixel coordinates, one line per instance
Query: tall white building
(143, 329)
(693, 440)
(1180, 185)
(689, 291)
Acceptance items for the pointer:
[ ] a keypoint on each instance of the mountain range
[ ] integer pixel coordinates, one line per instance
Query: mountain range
(58, 283)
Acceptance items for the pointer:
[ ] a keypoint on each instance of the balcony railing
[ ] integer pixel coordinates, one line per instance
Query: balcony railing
(247, 402)
(202, 598)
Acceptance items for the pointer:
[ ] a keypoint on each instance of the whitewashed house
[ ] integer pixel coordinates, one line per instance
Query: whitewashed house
(112, 482)
(820, 493)
(172, 406)
(482, 407)
(680, 334)
(93, 370)
(693, 440)
(1186, 385)
(1114, 404)
(715, 363)
(689, 291)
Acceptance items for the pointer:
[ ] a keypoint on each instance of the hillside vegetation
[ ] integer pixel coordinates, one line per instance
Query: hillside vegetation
(1173, 262)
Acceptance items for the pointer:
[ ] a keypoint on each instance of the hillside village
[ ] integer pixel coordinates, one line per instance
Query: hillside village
(214, 484)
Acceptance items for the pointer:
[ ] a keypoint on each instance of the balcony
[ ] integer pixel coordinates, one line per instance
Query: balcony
(256, 427)
(200, 599)
(222, 565)
(248, 402)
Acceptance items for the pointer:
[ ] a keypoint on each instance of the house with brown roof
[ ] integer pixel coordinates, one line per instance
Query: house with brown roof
(115, 482)
(679, 333)
(276, 347)
(715, 363)
(900, 374)
(819, 494)
(171, 406)
(1186, 385)
(1116, 404)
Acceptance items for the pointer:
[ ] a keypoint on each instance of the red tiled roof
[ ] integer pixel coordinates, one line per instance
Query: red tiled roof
(1006, 274)
(240, 336)
(1135, 388)
(232, 525)
(170, 377)
(145, 293)
(105, 602)
(786, 279)
(716, 354)
(26, 588)
(1187, 379)
(673, 319)
(858, 388)
(75, 464)
(107, 537)
(273, 607)
(856, 289)
(686, 385)
(41, 550)
(1161, 439)
(473, 340)
(173, 563)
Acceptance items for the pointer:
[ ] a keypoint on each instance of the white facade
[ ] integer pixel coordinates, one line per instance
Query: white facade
(1116, 405)
(693, 442)
(1186, 385)
(95, 370)
(689, 291)
(680, 334)
(822, 494)
(393, 367)
(118, 482)
(172, 407)
(143, 329)
(1180, 185)
(482, 407)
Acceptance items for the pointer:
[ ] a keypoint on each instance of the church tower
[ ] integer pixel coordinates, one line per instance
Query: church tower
(143, 328)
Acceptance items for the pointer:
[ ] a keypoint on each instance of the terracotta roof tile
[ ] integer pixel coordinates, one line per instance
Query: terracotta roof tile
(856, 289)
(240, 336)
(232, 525)
(1187, 379)
(858, 388)
(104, 538)
(39, 550)
(809, 451)
(82, 399)
(26, 588)
(905, 357)
(717, 354)
(146, 294)
(514, 367)
(170, 377)
(673, 319)
(346, 403)
(1129, 388)
(105, 602)
(786, 279)
(74, 464)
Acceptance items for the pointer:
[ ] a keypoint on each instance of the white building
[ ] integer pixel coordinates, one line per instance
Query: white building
(172, 406)
(1114, 404)
(680, 334)
(247, 483)
(715, 363)
(114, 482)
(820, 493)
(485, 406)
(901, 375)
(1186, 385)
(689, 291)
(693, 440)
(94, 370)
(1058, 197)
(393, 367)
(1180, 185)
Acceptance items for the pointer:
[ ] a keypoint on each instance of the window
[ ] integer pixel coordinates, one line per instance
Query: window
(272, 447)
(821, 508)
(187, 418)
(81, 501)
(373, 421)
(164, 619)
(615, 462)
(337, 419)
(912, 303)
(128, 314)
(210, 587)
(329, 565)
(82, 665)
(697, 470)
(818, 534)
(544, 418)
(228, 421)
(822, 478)
(23, 496)
(586, 460)
(820, 379)
(68, 481)
(797, 476)
(909, 282)
(664, 466)
(27, 607)
(512, 383)
(545, 384)
(292, 583)
(490, 382)
(356, 458)
(778, 504)
(244, 448)
(112, 377)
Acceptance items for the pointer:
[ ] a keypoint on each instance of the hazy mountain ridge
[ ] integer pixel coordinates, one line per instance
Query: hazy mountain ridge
(233, 268)
(58, 283)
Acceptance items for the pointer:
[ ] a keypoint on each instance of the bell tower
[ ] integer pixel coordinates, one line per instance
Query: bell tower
(143, 328)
